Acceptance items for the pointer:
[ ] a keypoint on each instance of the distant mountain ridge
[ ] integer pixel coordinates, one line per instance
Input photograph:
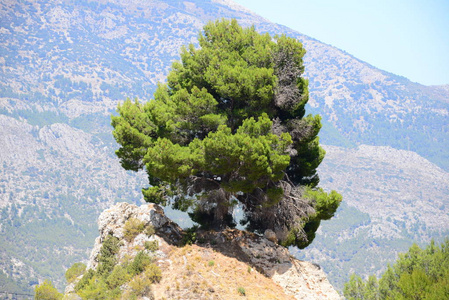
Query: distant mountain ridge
(66, 64)
(85, 57)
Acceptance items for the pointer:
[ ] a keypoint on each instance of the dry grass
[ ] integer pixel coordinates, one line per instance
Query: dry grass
(191, 276)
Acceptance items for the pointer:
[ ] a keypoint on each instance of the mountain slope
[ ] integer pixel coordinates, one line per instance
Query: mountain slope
(370, 106)
(66, 64)
(84, 57)
(392, 198)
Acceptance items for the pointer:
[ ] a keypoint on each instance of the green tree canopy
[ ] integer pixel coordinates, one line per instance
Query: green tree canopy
(417, 274)
(229, 128)
(46, 291)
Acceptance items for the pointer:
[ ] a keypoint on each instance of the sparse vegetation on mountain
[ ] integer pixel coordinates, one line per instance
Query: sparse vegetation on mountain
(229, 128)
(132, 228)
(417, 274)
(107, 281)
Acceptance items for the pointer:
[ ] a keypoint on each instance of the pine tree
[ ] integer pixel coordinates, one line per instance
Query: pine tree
(417, 274)
(46, 291)
(229, 128)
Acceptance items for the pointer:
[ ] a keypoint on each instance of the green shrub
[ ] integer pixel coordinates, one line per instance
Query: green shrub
(132, 228)
(74, 271)
(140, 286)
(241, 291)
(129, 295)
(138, 265)
(211, 263)
(149, 230)
(46, 291)
(84, 280)
(189, 237)
(107, 257)
(93, 289)
(152, 245)
(96, 288)
(117, 277)
(105, 283)
(153, 273)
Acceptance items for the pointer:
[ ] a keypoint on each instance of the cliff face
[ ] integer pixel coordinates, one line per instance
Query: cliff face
(217, 265)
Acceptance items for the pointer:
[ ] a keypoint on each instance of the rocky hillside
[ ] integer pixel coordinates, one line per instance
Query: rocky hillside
(392, 198)
(64, 66)
(213, 265)
(76, 58)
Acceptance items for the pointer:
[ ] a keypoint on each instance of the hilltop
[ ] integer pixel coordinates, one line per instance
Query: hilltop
(208, 265)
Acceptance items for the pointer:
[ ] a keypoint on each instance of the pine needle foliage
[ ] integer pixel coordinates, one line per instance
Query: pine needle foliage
(229, 128)
(46, 291)
(417, 274)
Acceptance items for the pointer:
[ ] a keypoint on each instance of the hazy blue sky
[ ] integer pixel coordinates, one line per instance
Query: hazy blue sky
(406, 37)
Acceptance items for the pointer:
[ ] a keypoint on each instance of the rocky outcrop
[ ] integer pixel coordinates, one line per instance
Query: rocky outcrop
(230, 249)
(301, 279)
(112, 222)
